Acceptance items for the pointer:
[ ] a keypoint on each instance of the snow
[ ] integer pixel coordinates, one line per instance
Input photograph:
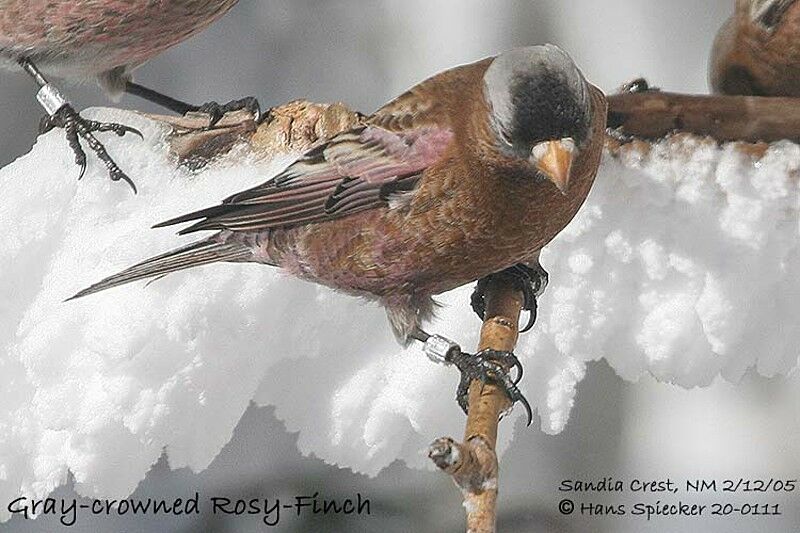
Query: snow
(683, 264)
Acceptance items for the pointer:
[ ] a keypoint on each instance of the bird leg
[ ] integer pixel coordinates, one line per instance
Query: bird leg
(215, 110)
(487, 366)
(60, 114)
(532, 280)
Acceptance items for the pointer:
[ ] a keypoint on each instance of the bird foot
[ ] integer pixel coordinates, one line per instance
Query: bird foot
(532, 282)
(487, 366)
(216, 111)
(76, 128)
(490, 366)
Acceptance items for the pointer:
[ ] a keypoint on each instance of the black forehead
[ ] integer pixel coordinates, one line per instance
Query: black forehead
(547, 106)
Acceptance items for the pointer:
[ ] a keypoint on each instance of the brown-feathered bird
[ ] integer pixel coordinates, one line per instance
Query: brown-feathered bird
(103, 40)
(757, 51)
(468, 173)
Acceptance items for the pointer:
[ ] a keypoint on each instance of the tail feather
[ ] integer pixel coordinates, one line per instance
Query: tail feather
(203, 213)
(195, 254)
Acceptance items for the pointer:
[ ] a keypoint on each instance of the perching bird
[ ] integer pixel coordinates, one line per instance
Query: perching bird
(757, 51)
(467, 174)
(103, 40)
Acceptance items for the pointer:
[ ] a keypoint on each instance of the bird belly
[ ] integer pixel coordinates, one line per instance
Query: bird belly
(364, 254)
(494, 237)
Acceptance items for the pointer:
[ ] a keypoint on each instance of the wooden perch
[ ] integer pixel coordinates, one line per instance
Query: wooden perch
(655, 114)
(473, 464)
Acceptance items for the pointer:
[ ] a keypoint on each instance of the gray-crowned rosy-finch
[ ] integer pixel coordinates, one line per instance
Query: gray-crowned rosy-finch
(757, 51)
(105, 40)
(467, 174)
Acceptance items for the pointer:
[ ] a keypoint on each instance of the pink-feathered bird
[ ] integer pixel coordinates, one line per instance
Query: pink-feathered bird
(757, 51)
(465, 175)
(105, 40)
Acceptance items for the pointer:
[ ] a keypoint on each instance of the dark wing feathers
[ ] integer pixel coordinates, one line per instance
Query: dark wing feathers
(356, 170)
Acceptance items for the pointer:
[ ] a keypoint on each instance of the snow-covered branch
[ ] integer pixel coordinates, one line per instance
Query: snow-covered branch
(683, 264)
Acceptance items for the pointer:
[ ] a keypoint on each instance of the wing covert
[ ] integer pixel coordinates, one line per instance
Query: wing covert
(355, 170)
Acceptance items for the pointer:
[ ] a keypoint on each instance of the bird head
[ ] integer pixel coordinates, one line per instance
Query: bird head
(766, 13)
(540, 109)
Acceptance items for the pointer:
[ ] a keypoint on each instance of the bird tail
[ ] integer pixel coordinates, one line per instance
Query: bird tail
(195, 254)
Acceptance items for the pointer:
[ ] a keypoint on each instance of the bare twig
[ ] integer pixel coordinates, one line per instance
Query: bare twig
(473, 463)
(654, 114)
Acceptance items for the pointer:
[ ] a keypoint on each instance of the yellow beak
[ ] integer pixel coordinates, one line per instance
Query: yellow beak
(554, 160)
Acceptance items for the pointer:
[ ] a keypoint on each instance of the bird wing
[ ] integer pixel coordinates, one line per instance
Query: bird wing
(356, 170)
(353, 171)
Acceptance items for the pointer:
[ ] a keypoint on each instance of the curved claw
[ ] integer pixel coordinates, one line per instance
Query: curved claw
(251, 104)
(117, 175)
(120, 129)
(535, 277)
(123, 130)
(518, 366)
(477, 300)
(528, 409)
(76, 128)
(217, 111)
(515, 364)
(532, 283)
(531, 318)
(214, 117)
(531, 289)
(503, 356)
(529, 303)
(74, 143)
(486, 366)
(515, 395)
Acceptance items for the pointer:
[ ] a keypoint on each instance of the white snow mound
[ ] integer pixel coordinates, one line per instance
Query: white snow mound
(684, 263)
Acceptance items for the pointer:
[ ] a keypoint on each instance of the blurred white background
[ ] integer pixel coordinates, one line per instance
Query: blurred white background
(363, 53)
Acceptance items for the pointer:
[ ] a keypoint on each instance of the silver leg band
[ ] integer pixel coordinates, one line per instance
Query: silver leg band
(437, 348)
(51, 99)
